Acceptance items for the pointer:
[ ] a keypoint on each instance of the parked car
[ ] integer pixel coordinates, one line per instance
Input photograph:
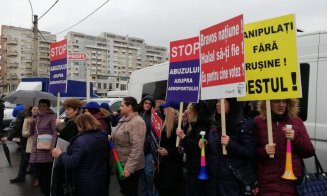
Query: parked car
(7, 118)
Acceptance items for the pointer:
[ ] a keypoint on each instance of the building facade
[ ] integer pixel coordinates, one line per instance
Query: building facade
(16, 56)
(111, 59)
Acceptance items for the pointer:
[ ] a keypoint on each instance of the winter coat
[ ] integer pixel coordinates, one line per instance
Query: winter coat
(270, 170)
(240, 154)
(101, 118)
(168, 177)
(190, 144)
(68, 129)
(129, 141)
(26, 134)
(43, 124)
(146, 115)
(87, 156)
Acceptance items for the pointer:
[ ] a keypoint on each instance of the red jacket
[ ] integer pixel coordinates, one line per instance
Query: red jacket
(270, 170)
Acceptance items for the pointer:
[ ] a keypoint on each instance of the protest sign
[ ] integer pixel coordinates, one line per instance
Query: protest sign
(184, 71)
(58, 67)
(222, 60)
(272, 69)
(156, 124)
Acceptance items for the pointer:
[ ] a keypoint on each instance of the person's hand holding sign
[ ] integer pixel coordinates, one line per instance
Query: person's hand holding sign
(270, 149)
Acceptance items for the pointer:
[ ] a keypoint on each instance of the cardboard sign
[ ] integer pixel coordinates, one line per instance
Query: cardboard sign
(222, 60)
(271, 63)
(156, 124)
(184, 71)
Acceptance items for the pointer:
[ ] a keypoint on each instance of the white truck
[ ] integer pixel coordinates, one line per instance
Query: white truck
(312, 54)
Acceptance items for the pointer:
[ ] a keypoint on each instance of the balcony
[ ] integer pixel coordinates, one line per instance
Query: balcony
(13, 65)
(44, 56)
(12, 41)
(12, 53)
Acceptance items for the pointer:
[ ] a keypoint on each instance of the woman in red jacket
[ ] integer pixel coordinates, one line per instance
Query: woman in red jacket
(269, 170)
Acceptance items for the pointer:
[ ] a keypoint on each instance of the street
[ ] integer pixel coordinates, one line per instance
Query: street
(26, 189)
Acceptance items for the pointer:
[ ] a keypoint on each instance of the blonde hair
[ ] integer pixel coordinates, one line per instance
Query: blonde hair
(105, 112)
(169, 121)
(86, 122)
(293, 108)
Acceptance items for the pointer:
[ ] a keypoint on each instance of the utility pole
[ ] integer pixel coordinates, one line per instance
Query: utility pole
(35, 57)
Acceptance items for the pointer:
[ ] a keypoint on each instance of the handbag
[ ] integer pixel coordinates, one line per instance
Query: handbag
(44, 141)
(246, 175)
(313, 184)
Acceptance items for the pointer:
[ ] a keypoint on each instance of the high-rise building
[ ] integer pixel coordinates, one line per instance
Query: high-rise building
(16, 56)
(111, 59)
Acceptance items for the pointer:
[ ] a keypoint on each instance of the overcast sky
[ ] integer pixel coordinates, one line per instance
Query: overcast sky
(157, 21)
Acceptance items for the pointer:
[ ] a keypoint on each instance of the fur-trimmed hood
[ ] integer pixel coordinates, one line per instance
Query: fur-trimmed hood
(292, 109)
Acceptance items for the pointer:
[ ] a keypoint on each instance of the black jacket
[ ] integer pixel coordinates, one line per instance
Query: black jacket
(146, 115)
(190, 144)
(240, 154)
(68, 129)
(169, 175)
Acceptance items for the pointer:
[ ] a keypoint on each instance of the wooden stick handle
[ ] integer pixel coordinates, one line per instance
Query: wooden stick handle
(269, 125)
(179, 121)
(223, 122)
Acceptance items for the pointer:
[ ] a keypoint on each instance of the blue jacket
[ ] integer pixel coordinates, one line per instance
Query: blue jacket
(87, 155)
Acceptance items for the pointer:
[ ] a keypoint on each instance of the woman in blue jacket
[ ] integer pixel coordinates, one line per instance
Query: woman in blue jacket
(87, 157)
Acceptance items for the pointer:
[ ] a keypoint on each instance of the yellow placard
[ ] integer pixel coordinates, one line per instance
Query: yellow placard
(271, 61)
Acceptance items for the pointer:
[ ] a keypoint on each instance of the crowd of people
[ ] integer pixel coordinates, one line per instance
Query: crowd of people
(85, 168)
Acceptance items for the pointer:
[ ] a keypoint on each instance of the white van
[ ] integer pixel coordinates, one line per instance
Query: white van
(312, 52)
(117, 94)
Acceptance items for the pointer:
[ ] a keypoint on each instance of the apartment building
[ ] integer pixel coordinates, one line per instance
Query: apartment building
(111, 59)
(16, 56)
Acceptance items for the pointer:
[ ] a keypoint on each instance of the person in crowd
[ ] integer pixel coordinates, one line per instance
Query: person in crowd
(67, 130)
(116, 116)
(169, 174)
(106, 111)
(17, 132)
(87, 157)
(240, 145)
(93, 108)
(269, 170)
(128, 139)
(43, 123)
(197, 120)
(146, 180)
(31, 112)
(2, 109)
(252, 109)
(17, 109)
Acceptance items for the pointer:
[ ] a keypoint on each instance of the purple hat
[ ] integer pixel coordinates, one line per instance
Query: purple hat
(90, 105)
(172, 104)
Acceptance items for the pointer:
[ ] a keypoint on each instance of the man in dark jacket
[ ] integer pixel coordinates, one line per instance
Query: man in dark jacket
(146, 182)
(17, 132)
(2, 109)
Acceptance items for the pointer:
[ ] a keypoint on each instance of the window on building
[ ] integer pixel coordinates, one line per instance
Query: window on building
(117, 85)
(99, 85)
(104, 85)
(110, 86)
(123, 87)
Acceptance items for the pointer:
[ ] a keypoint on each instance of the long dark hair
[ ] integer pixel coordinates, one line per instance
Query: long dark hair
(235, 110)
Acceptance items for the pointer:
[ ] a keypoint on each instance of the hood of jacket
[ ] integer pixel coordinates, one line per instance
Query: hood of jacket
(149, 98)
